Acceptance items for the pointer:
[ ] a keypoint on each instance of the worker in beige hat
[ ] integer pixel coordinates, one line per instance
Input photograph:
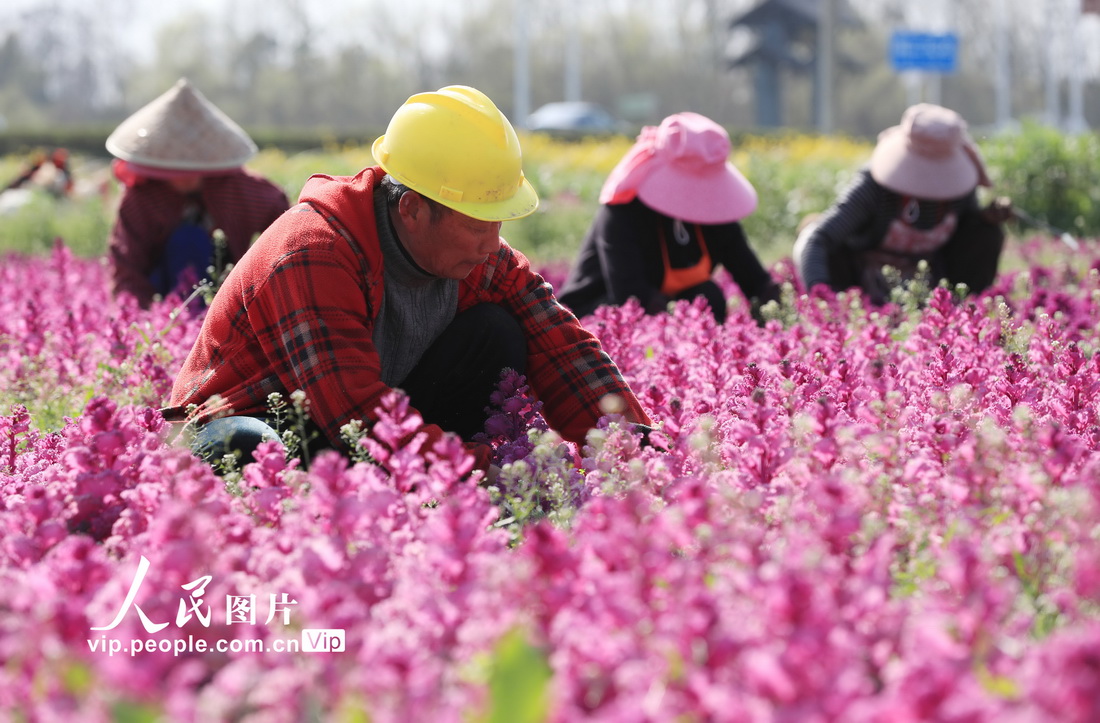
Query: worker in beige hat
(916, 201)
(180, 161)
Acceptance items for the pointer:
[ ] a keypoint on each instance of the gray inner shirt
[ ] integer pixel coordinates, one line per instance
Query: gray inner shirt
(416, 306)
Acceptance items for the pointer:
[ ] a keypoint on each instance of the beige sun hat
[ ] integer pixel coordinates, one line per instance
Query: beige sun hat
(929, 155)
(182, 130)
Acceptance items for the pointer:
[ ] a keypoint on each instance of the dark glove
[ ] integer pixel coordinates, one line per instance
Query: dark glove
(998, 211)
(657, 304)
(649, 439)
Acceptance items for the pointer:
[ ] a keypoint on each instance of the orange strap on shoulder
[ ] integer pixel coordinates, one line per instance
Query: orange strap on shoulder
(677, 280)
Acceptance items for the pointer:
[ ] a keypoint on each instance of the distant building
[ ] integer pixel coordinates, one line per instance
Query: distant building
(784, 40)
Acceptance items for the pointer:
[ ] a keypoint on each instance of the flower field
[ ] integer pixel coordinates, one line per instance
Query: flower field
(848, 515)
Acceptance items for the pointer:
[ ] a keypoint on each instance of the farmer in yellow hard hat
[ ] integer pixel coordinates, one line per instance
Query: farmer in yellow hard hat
(179, 160)
(397, 277)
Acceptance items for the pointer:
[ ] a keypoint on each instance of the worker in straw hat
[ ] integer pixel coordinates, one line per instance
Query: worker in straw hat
(397, 277)
(670, 213)
(916, 201)
(180, 161)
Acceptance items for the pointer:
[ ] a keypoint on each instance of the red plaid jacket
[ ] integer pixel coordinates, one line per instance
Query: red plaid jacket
(297, 312)
(240, 203)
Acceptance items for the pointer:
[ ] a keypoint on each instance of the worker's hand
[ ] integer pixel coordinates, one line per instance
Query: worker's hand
(998, 211)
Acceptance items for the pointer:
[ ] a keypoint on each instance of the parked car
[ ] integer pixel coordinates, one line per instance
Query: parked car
(573, 119)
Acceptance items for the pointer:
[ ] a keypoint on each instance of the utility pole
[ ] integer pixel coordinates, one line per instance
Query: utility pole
(826, 55)
(943, 22)
(1003, 74)
(521, 72)
(573, 51)
(1054, 114)
(1076, 123)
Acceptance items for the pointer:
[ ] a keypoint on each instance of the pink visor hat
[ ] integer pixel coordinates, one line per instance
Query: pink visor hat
(682, 169)
(133, 174)
(929, 155)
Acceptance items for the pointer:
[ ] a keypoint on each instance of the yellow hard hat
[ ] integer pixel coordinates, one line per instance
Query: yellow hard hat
(455, 147)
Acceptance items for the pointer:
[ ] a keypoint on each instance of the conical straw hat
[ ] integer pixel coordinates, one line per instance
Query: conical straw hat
(181, 130)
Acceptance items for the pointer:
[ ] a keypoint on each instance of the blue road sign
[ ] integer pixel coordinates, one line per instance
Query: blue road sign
(930, 52)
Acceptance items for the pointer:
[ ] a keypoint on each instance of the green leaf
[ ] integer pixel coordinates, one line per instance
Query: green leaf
(518, 680)
(77, 678)
(998, 685)
(129, 712)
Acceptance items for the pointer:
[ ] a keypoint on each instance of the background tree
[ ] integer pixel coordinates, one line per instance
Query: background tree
(344, 66)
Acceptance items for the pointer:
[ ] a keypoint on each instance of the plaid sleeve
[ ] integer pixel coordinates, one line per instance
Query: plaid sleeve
(567, 368)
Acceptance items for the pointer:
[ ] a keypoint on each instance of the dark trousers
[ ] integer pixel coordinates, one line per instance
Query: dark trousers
(710, 291)
(450, 385)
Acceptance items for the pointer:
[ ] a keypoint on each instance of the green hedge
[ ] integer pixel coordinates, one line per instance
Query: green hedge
(90, 141)
(1051, 176)
(24, 141)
